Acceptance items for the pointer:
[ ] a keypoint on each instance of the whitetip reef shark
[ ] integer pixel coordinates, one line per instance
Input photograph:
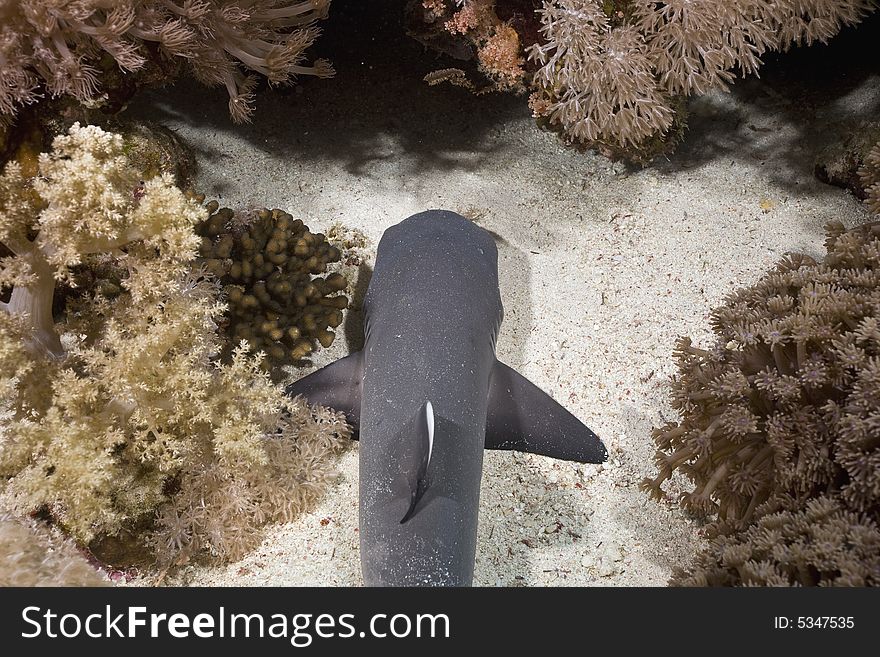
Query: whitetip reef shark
(426, 395)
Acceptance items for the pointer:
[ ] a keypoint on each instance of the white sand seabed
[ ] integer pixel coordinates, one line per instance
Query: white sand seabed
(602, 268)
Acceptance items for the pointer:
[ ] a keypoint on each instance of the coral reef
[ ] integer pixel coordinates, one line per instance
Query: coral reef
(78, 47)
(267, 265)
(31, 555)
(611, 71)
(615, 74)
(782, 407)
(779, 418)
(110, 407)
(221, 504)
(820, 545)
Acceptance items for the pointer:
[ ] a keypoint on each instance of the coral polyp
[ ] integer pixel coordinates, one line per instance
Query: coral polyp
(822, 544)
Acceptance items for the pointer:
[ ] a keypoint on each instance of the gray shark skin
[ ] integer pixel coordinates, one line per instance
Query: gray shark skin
(427, 395)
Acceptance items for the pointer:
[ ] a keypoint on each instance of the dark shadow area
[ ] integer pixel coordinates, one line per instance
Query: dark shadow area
(514, 273)
(804, 100)
(353, 328)
(376, 107)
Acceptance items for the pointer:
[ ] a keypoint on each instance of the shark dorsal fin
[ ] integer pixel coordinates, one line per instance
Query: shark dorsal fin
(429, 412)
(419, 439)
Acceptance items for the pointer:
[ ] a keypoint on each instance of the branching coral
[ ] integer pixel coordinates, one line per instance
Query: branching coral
(595, 81)
(785, 406)
(58, 45)
(111, 411)
(34, 556)
(823, 544)
(267, 266)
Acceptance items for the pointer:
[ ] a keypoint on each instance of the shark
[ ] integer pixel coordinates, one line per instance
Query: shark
(426, 395)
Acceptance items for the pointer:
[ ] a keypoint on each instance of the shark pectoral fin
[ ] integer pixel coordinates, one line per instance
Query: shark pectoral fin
(338, 385)
(416, 441)
(523, 417)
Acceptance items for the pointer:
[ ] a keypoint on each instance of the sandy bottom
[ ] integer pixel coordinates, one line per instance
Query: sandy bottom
(602, 268)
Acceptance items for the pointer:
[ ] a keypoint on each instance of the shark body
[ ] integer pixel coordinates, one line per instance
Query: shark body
(427, 395)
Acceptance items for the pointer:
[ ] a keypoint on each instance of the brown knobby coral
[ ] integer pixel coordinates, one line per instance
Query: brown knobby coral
(268, 265)
(114, 407)
(785, 405)
(62, 46)
(822, 544)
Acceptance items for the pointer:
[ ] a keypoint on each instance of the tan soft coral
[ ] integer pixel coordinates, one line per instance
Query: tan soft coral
(31, 555)
(58, 45)
(87, 200)
(222, 504)
(614, 72)
(113, 410)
